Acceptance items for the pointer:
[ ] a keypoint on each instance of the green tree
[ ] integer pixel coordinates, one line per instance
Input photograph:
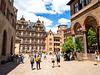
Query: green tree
(79, 45)
(68, 46)
(91, 37)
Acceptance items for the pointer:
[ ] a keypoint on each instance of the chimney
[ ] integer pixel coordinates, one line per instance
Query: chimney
(29, 22)
(43, 22)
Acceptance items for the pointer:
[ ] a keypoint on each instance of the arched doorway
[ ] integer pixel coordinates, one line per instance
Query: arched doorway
(4, 43)
(91, 22)
(11, 47)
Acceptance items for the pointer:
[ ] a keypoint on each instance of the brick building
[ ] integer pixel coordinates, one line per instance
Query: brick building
(32, 35)
(8, 15)
(85, 14)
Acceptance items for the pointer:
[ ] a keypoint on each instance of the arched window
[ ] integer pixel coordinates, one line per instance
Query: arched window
(4, 43)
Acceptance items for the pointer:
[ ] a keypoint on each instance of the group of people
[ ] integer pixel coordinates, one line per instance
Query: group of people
(17, 58)
(37, 59)
(55, 58)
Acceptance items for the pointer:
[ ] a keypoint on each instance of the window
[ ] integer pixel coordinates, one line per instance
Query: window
(81, 4)
(36, 28)
(50, 34)
(24, 27)
(50, 43)
(23, 40)
(50, 39)
(23, 48)
(27, 48)
(32, 34)
(32, 48)
(28, 34)
(19, 33)
(28, 40)
(23, 33)
(76, 7)
(88, 1)
(50, 49)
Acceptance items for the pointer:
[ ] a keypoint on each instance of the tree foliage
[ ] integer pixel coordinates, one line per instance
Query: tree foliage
(91, 37)
(79, 45)
(68, 46)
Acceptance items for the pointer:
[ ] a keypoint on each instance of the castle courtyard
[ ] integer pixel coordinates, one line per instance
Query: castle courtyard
(67, 68)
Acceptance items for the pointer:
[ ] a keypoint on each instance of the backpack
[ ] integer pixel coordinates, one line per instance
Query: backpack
(58, 56)
(32, 59)
(37, 59)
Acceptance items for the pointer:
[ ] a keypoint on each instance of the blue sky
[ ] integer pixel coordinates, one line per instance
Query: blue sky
(52, 12)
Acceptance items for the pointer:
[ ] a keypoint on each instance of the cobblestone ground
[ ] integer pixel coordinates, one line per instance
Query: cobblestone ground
(67, 68)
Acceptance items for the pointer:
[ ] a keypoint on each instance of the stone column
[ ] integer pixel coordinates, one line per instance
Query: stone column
(85, 42)
(73, 35)
(85, 45)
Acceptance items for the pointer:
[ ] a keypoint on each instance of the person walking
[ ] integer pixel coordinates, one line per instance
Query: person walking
(35, 56)
(58, 59)
(53, 60)
(22, 58)
(45, 56)
(32, 61)
(97, 56)
(38, 62)
(17, 57)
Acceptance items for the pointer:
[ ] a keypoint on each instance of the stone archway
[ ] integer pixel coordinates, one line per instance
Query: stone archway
(4, 43)
(76, 30)
(91, 22)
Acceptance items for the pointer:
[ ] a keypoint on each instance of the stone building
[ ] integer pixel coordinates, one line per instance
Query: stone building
(8, 15)
(85, 14)
(32, 35)
(54, 42)
(17, 45)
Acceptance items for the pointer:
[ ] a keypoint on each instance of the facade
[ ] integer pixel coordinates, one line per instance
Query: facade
(54, 42)
(17, 45)
(32, 35)
(84, 14)
(8, 14)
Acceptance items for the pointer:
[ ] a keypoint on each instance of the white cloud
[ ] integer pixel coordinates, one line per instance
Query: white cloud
(53, 29)
(38, 6)
(63, 21)
(33, 17)
(29, 8)
(60, 6)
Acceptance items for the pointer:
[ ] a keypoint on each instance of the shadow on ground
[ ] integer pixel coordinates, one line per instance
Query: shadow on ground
(6, 68)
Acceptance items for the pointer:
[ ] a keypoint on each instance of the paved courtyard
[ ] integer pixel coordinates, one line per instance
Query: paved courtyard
(67, 68)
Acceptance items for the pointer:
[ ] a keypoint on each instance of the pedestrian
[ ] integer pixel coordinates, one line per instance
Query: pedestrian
(17, 57)
(32, 61)
(22, 58)
(58, 59)
(53, 60)
(37, 62)
(97, 56)
(29, 55)
(35, 56)
(45, 56)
